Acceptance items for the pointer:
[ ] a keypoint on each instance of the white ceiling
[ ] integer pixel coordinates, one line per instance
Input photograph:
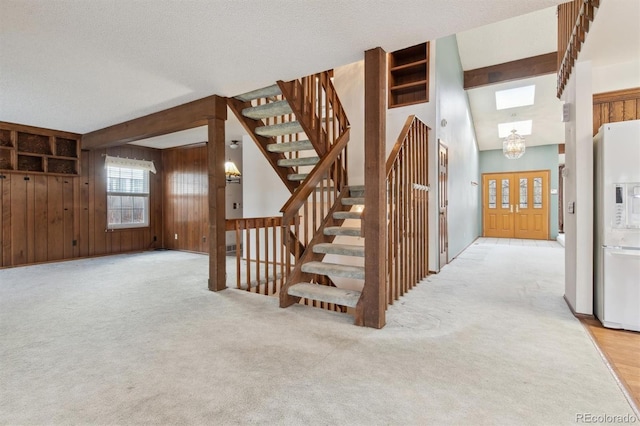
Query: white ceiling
(81, 66)
(521, 37)
(614, 38)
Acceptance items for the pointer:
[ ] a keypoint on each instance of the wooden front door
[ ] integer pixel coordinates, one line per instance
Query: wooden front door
(516, 205)
(532, 205)
(497, 206)
(443, 201)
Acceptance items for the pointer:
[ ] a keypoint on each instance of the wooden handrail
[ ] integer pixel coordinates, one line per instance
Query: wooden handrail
(393, 155)
(299, 196)
(407, 198)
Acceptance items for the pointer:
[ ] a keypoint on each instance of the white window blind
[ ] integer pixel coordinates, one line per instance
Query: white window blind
(127, 197)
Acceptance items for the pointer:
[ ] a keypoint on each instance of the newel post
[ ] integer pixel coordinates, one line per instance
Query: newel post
(217, 183)
(370, 312)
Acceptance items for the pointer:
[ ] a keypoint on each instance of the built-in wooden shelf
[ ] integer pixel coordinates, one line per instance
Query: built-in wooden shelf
(36, 150)
(409, 76)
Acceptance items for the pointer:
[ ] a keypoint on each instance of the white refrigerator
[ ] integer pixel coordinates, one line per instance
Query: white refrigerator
(617, 225)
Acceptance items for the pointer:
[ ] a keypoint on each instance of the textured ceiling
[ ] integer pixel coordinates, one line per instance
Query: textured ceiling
(84, 65)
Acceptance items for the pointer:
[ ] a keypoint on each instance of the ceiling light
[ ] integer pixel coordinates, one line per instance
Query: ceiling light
(518, 97)
(234, 145)
(522, 127)
(513, 146)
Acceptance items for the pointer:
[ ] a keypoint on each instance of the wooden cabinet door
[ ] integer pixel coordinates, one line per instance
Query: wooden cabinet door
(532, 205)
(497, 205)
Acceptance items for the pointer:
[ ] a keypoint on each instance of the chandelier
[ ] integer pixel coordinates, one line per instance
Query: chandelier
(513, 146)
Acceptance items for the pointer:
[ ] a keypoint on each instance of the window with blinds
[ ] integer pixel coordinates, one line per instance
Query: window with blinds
(127, 197)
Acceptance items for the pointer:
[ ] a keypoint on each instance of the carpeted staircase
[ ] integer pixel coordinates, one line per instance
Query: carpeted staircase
(293, 164)
(273, 125)
(330, 294)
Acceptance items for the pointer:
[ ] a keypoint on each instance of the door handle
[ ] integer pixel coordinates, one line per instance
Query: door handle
(510, 208)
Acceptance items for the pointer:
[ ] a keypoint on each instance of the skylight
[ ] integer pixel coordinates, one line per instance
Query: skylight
(511, 98)
(523, 128)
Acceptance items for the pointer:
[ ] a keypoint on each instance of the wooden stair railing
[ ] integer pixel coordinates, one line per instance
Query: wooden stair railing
(407, 209)
(574, 19)
(316, 105)
(310, 209)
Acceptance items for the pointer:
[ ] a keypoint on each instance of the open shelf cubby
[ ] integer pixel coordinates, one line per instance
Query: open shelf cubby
(30, 163)
(409, 75)
(37, 150)
(5, 138)
(34, 144)
(5, 160)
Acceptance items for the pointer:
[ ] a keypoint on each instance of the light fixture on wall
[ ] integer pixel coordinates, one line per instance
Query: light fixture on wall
(231, 172)
(513, 146)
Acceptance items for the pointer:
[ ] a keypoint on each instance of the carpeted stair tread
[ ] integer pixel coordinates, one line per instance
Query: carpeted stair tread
(334, 269)
(272, 109)
(281, 129)
(301, 161)
(353, 201)
(342, 230)
(305, 145)
(356, 191)
(347, 215)
(297, 177)
(265, 92)
(327, 294)
(342, 249)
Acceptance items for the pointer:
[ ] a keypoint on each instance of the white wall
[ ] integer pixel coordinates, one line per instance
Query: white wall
(578, 226)
(233, 192)
(616, 77)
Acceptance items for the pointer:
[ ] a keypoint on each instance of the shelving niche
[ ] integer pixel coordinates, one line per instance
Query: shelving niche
(37, 150)
(409, 75)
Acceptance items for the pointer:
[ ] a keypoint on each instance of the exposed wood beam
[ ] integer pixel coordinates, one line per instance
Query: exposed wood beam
(515, 70)
(370, 311)
(217, 184)
(182, 117)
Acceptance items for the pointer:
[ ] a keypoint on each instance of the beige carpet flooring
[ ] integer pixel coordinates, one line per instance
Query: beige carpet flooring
(138, 339)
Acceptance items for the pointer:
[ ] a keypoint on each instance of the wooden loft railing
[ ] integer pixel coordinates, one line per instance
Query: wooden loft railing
(407, 210)
(574, 19)
(259, 253)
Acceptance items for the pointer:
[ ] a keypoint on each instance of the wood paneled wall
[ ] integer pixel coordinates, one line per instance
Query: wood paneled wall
(186, 198)
(46, 218)
(610, 107)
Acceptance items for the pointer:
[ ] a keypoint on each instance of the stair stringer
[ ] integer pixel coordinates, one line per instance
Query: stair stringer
(289, 90)
(250, 126)
(297, 275)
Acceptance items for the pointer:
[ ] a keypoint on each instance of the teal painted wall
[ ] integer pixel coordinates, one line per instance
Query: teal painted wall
(543, 157)
(460, 138)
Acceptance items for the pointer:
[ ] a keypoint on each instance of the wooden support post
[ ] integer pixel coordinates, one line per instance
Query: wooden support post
(217, 183)
(370, 311)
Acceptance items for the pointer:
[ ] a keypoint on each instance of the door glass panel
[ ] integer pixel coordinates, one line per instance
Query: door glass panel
(505, 193)
(492, 194)
(537, 193)
(523, 193)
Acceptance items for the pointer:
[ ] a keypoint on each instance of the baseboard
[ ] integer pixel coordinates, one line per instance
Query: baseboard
(575, 314)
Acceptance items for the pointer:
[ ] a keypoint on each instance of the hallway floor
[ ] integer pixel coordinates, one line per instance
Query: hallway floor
(137, 338)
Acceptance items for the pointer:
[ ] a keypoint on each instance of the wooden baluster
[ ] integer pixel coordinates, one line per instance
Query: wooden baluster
(238, 253)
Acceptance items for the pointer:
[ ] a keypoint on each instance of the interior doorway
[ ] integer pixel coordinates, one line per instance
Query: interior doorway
(443, 202)
(516, 205)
